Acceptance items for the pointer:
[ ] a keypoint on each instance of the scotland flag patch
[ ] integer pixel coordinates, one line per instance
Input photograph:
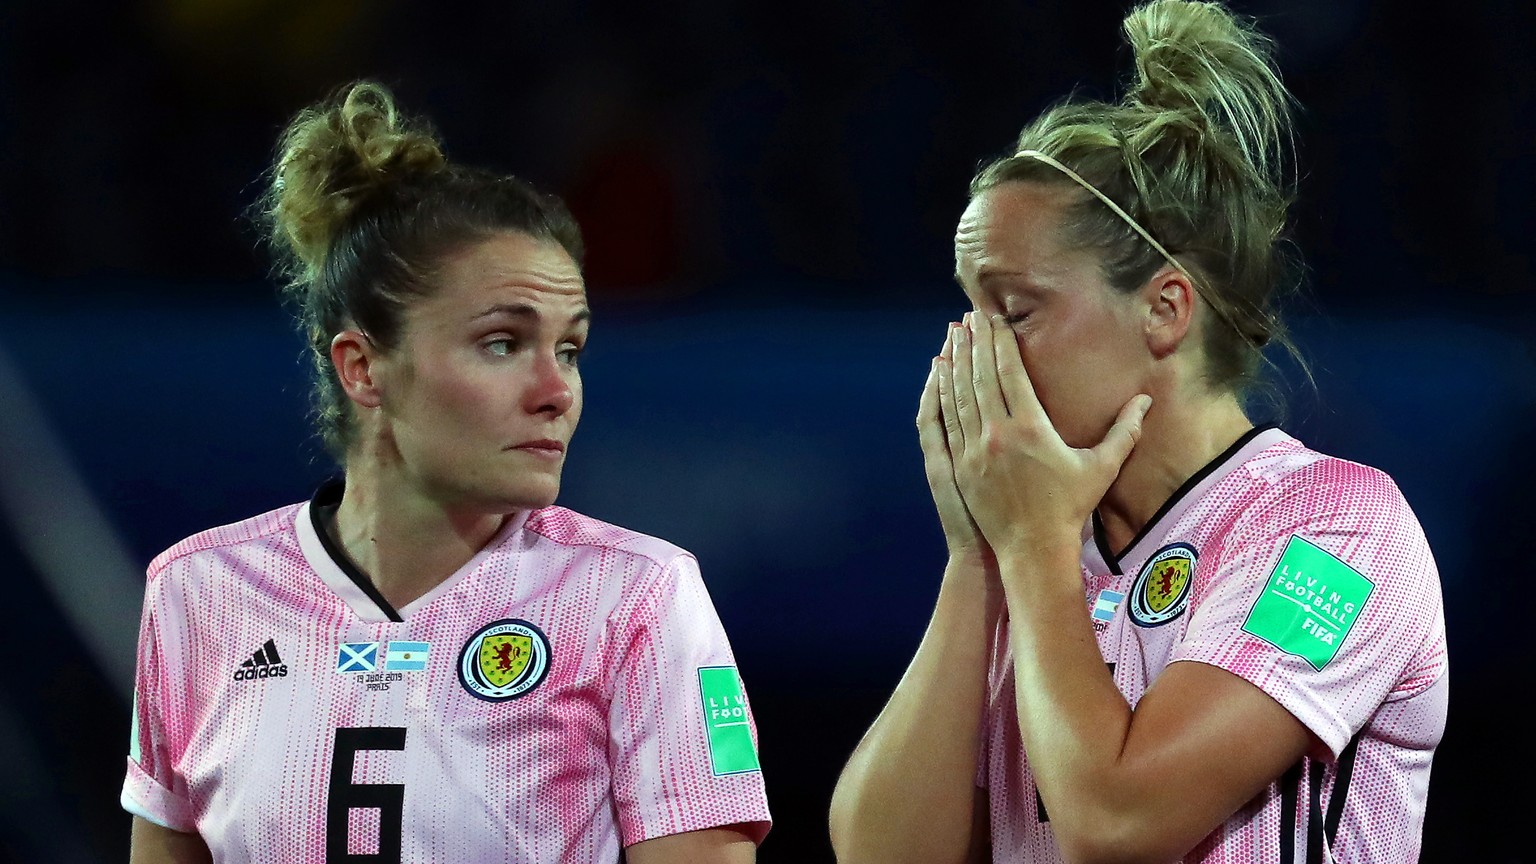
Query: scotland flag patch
(358, 657)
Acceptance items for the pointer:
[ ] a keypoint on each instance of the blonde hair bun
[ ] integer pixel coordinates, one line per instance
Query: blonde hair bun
(333, 157)
(1201, 61)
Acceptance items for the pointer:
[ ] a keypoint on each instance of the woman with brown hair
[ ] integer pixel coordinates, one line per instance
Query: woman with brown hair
(428, 661)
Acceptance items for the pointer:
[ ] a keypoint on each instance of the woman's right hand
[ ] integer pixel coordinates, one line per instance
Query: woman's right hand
(966, 546)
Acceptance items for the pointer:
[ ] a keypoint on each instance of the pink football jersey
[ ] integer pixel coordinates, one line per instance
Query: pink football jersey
(1307, 576)
(568, 692)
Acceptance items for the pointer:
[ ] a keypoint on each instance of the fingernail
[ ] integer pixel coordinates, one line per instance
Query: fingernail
(960, 335)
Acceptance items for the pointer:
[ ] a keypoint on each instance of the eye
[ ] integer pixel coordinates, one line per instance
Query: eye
(569, 354)
(500, 347)
(1015, 318)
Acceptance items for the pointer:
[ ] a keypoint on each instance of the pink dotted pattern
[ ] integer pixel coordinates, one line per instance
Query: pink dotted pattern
(608, 750)
(1379, 705)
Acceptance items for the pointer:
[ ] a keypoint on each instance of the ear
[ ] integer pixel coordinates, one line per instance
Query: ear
(1171, 300)
(354, 355)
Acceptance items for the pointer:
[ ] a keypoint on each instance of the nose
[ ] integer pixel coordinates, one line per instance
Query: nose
(550, 391)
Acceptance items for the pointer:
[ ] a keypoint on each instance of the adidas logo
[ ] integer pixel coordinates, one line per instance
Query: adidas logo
(263, 664)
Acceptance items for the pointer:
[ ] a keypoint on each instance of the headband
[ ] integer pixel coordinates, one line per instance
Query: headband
(1136, 226)
(1145, 234)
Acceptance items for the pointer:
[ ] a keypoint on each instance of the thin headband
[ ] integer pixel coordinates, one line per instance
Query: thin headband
(1136, 226)
(1145, 235)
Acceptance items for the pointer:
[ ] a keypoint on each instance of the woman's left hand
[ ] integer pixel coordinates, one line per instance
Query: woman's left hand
(1022, 483)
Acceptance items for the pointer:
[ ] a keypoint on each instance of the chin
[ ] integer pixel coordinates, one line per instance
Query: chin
(531, 496)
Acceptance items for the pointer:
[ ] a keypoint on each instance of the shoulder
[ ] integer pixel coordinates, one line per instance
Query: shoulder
(1296, 484)
(1352, 512)
(567, 528)
(212, 543)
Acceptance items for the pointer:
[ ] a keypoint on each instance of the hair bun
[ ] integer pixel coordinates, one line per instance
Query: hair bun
(1199, 60)
(334, 158)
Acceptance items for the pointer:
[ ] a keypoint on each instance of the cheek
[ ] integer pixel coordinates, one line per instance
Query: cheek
(1068, 374)
(578, 395)
(458, 396)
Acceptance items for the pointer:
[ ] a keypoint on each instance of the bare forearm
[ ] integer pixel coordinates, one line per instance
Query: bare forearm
(1073, 721)
(153, 844)
(1124, 786)
(907, 793)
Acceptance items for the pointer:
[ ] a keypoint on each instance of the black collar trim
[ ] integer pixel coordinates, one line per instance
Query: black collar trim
(1210, 467)
(327, 498)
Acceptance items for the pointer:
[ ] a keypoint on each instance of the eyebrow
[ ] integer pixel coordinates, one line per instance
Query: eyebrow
(986, 273)
(524, 310)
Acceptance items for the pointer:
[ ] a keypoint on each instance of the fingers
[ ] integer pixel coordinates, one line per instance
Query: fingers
(989, 397)
(963, 381)
(1121, 438)
(1018, 392)
(953, 436)
(930, 422)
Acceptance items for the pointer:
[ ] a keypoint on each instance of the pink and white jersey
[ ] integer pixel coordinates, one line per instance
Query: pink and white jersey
(1307, 576)
(568, 692)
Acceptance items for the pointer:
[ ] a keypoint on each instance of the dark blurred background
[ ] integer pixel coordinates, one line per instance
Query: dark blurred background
(769, 193)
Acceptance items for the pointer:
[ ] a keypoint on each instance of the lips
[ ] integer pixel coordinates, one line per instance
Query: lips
(543, 446)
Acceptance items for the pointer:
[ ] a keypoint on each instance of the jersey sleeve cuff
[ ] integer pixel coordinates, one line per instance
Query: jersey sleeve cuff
(144, 797)
(1320, 718)
(750, 818)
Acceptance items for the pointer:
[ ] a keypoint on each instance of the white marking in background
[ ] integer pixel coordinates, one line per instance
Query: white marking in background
(72, 544)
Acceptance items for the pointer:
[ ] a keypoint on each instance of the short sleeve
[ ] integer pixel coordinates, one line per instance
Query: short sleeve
(683, 742)
(152, 790)
(1325, 597)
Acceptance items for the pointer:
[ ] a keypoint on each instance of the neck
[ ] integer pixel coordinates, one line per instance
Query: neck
(406, 541)
(1179, 438)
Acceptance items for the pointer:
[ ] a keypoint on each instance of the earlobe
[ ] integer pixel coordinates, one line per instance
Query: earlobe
(353, 354)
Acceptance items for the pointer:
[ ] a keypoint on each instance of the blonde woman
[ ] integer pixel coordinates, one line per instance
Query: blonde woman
(1163, 634)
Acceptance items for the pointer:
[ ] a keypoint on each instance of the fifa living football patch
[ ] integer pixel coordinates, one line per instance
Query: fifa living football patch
(725, 721)
(1309, 604)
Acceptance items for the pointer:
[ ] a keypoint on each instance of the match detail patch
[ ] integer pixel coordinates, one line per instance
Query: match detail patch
(1309, 604)
(725, 721)
(504, 660)
(1161, 590)
(1107, 605)
(400, 656)
(357, 657)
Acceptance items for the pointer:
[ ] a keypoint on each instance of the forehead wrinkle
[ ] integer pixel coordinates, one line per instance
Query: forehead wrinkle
(968, 234)
(528, 310)
(536, 278)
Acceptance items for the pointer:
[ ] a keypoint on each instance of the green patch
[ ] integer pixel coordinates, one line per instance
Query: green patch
(1309, 604)
(134, 750)
(725, 720)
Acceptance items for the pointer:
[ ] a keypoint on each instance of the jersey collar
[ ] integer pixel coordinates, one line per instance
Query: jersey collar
(352, 585)
(1097, 554)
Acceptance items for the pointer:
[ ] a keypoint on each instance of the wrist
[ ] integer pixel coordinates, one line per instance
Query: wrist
(978, 559)
(1040, 544)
